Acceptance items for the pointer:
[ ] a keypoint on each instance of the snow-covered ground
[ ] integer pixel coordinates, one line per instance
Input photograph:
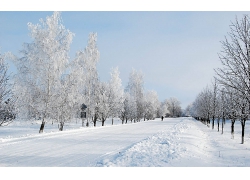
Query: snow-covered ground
(174, 142)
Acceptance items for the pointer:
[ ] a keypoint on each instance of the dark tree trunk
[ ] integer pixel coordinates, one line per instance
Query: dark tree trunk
(213, 123)
(242, 130)
(208, 121)
(87, 124)
(222, 123)
(232, 128)
(95, 120)
(112, 121)
(126, 121)
(61, 126)
(42, 127)
(103, 122)
(218, 125)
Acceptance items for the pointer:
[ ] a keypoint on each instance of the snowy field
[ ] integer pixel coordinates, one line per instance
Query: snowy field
(180, 142)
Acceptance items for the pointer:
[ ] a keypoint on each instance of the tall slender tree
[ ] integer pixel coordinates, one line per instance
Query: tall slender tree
(116, 92)
(214, 104)
(85, 72)
(135, 88)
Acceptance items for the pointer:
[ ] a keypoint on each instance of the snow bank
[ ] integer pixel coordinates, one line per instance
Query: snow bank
(157, 150)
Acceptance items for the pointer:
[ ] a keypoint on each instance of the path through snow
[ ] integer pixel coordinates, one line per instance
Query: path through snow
(173, 142)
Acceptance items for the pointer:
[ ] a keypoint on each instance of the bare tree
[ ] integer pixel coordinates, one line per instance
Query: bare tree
(206, 103)
(214, 103)
(233, 102)
(203, 106)
(235, 59)
(223, 109)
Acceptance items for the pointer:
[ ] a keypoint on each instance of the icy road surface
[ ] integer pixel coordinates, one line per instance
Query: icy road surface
(172, 142)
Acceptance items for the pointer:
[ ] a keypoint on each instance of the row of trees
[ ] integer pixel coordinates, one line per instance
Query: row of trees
(229, 95)
(50, 87)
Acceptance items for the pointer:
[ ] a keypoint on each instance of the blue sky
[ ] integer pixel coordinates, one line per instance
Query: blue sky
(175, 50)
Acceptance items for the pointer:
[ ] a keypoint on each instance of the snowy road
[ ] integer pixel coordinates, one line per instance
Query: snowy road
(172, 142)
(81, 147)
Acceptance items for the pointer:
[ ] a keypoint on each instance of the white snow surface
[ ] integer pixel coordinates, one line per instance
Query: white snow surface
(174, 142)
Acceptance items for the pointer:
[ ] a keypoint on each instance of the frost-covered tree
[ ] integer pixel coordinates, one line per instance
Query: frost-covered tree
(243, 112)
(199, 112)
(222, 109)
(174, 107)
(103, 101)
(67, 101)
(233, 101)
(110, 97)
(129, 111)
(116, 97)
(188, 110)
(124, 114)
(162, 109)
(132, 107)
(40, 68)
(135, 88)
(214, 103)
(85, 72)
(151, 105)
(7, 108)
(203, 105)
(235, 59)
